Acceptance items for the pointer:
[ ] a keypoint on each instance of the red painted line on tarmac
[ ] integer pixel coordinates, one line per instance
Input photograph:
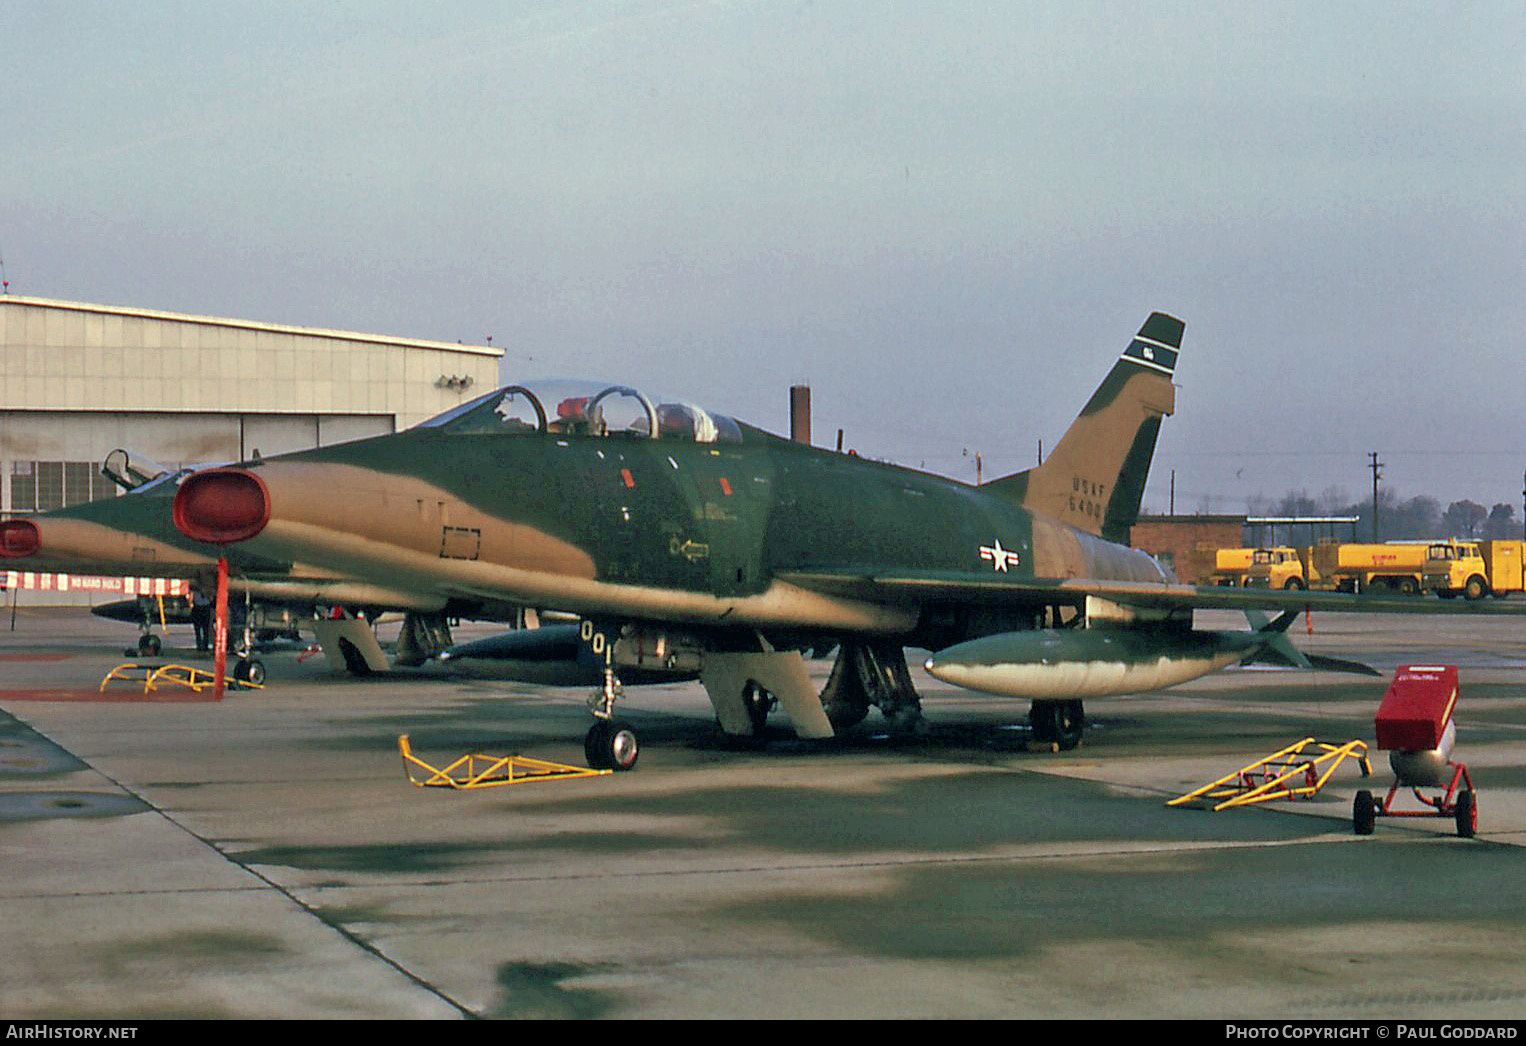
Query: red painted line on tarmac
(106, 697)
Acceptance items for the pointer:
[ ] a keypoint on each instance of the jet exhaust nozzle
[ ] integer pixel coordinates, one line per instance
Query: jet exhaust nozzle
(221, 506)
(18, 537)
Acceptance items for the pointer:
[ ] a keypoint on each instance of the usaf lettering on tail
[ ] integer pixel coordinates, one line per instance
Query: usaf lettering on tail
(577, 498)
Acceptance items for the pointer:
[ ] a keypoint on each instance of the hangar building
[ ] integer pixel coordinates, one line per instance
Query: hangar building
(78, 381)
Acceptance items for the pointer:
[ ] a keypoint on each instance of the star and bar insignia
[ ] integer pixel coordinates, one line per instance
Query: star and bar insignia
(1000, 558)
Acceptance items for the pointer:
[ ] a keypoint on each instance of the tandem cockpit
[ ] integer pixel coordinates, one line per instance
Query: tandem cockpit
(580, 408)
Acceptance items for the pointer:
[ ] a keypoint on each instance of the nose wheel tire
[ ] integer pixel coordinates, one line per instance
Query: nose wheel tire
(611, 745)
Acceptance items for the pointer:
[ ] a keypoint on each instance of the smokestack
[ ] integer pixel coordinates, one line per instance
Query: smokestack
(800, 413)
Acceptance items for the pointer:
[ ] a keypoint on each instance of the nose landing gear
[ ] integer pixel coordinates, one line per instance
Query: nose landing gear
(610, 744)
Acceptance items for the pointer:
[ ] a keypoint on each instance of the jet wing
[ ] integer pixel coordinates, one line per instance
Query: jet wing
(935, 586)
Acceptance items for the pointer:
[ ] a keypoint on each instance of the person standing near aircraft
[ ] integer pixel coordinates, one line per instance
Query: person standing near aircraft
(201, 619)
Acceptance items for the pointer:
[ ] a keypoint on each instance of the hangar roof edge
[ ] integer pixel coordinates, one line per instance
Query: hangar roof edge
(218, 321)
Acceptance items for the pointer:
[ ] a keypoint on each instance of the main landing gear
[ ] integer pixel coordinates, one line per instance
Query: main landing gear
(746, 682)
(1059, 724)
(872, 675)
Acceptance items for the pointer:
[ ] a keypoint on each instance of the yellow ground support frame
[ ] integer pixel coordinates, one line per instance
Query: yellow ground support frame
(155, 676)
(1274, 777)
(486, 771)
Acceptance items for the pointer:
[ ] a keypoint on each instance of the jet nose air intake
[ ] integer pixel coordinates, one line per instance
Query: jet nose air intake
(222, 506)
(18, 537)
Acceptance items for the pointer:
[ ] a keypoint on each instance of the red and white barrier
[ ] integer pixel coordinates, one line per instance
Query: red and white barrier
(127, 586)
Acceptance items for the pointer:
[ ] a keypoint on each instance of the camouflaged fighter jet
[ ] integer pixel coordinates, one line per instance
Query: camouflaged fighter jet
(686, 539)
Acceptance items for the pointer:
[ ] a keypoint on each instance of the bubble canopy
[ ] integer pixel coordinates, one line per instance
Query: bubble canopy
(584, 408)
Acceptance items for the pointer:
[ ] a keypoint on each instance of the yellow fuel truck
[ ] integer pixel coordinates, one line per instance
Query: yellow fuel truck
(1474, 569)
(1357, 567)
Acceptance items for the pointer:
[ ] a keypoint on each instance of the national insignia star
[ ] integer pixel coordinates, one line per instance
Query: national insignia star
(1001, 558)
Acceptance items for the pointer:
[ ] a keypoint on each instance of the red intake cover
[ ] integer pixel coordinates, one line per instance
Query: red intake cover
(221, 506)
(18, 537)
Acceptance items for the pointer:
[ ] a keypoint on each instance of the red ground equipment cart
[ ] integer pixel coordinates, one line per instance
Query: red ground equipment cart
(1414, 724)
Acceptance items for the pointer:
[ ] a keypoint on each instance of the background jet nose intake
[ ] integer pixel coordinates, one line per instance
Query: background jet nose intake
(18, 537)
(221, 506)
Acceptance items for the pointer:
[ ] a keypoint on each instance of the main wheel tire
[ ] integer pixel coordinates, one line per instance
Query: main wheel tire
(1364, 813)
(1467, 814)
(1060, 723)
(844, 714)
(758, 703)
(1072, 724)
(1041, 721)
(611, 745)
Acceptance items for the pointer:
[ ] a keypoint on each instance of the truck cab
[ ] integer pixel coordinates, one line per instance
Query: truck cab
(1453, 567)
(1279, 567)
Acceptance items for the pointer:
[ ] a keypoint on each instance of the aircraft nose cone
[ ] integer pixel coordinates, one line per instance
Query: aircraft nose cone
(221, 506)
(18, 537)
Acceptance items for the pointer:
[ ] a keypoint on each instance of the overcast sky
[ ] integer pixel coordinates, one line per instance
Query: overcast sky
(948, 218)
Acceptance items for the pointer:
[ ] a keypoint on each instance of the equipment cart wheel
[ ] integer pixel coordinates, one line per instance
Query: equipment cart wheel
(1364, 813)
(1467, 814)
(148, 645)
(611, 745)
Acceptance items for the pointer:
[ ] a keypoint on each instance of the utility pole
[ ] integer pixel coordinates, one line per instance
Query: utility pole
(1377, 473)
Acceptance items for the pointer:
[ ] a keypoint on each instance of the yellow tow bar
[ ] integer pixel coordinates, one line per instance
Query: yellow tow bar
(155, 676)
(485, 771)
(1286, 774)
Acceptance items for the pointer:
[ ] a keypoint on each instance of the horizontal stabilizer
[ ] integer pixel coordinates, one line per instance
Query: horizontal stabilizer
(1273, 655)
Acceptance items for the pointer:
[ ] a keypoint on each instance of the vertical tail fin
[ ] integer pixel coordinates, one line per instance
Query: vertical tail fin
(1095, 477)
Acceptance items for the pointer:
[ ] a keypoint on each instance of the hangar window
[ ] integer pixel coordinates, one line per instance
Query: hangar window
(42, 486)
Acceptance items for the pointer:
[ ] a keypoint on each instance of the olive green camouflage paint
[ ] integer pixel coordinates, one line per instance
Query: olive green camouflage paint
(632, 524)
